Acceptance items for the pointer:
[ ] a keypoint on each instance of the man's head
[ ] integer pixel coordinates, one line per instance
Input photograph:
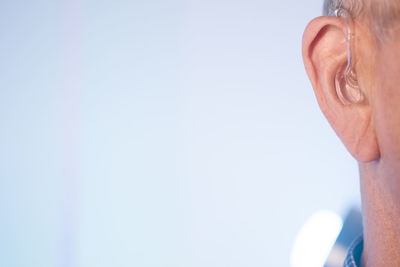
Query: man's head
(369, 129)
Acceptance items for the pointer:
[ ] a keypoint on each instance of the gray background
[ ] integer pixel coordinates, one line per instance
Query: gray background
(161, 133)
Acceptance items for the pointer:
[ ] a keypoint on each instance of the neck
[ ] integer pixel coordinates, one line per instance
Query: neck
(380, 196)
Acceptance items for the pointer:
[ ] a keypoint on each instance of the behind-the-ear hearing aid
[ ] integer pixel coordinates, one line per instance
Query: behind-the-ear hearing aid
(347, 86)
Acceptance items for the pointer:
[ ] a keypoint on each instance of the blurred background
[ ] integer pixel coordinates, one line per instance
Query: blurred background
(161, 133)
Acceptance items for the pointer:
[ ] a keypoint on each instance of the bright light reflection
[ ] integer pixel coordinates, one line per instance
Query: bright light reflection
(316, 239)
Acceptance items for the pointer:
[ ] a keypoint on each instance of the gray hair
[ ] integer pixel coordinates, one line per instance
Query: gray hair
(380, 14)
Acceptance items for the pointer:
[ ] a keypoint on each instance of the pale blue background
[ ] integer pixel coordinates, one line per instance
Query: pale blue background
(160, 133)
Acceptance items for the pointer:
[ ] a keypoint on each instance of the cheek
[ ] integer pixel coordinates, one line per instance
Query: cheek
(385, 103)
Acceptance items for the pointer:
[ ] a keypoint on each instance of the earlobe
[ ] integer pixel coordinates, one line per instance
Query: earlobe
(325, 55)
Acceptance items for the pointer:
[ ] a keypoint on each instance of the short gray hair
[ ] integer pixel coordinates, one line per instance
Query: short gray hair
(381, 14)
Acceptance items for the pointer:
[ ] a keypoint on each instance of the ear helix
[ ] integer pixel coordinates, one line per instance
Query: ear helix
(346, 82)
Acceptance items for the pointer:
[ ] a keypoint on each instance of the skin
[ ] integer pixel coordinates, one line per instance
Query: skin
(370, 130)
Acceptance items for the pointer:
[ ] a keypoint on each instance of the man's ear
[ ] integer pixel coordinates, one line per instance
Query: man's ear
(325, 59)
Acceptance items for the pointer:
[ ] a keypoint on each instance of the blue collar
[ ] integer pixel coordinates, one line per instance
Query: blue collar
(353, 258)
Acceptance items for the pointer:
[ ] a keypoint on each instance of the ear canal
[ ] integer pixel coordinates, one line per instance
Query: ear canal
(347, 87)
